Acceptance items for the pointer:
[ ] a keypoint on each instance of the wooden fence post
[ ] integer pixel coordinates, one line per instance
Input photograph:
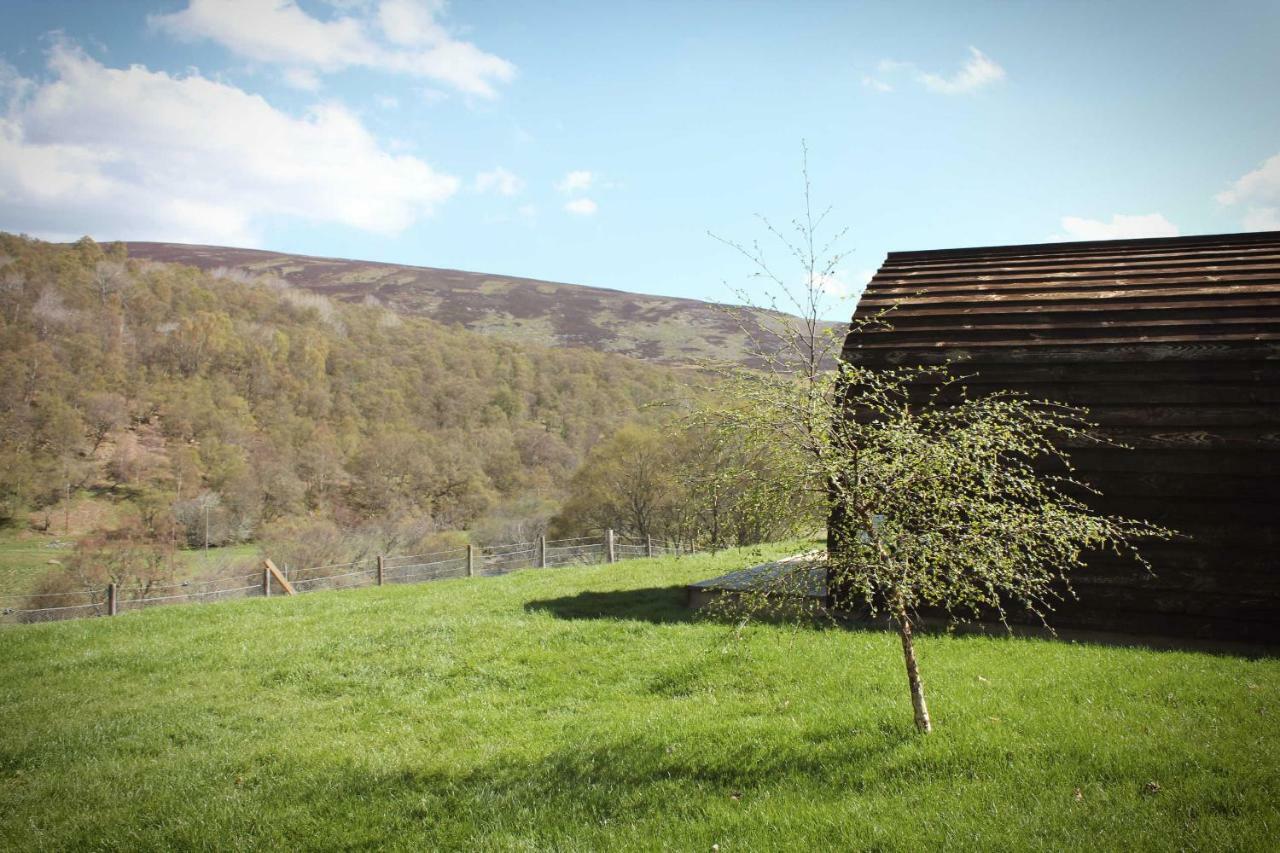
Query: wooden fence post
(382, 565)
(270, 569)
(610, 556)
(648, 546)
(112, 604)
(266, 582)
(471, 561)
(542, 551)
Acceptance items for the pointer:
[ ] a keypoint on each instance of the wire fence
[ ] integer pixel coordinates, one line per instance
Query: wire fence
(468, 561)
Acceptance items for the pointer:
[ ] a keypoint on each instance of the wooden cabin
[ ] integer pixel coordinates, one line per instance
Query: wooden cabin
(1173, 344)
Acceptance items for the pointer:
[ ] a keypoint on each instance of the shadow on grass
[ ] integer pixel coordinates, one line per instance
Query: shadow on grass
(667, 605)
(580, 787)
(661, 605)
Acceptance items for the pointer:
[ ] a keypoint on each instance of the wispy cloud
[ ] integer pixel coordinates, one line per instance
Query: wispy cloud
(843, 285)
(1261, 219)
(582, 207)
(978, 72)
(1120, 227)
(499, 180)
(1259, 193)
(576, 181)
(394, 36)
(579, 181)
(832, 284)
(302, 78)
(135, 153)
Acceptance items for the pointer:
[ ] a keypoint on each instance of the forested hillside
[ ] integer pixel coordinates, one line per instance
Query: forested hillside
(173, 394)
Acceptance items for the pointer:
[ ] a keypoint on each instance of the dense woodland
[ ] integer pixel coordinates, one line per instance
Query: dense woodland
(182, 397)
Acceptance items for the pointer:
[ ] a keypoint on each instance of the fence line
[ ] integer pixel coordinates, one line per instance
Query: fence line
(467, 561)
(431, 554)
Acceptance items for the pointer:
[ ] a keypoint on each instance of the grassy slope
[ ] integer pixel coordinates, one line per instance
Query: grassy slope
(579, 709)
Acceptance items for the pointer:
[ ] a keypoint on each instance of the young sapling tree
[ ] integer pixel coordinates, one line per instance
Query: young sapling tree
(937, 500)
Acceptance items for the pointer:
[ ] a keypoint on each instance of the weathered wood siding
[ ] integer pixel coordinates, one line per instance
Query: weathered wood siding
(1174, 346)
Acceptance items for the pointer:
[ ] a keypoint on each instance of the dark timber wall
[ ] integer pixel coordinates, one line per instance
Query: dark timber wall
(1174, 346)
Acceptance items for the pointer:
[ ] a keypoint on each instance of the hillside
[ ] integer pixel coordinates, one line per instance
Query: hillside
(583, 709)
(654, 328)
(146, 403)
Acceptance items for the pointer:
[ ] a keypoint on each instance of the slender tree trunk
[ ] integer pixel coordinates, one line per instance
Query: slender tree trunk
(913, 675)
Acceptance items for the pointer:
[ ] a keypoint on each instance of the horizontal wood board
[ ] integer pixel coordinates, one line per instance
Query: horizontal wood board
(1174, 346)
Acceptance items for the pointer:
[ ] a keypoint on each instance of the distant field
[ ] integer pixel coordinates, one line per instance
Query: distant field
(581, 709)
(25, 556)
(23, 559)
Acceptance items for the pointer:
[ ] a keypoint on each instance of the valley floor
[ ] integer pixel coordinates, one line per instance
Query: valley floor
(585, 708)
(26, 555)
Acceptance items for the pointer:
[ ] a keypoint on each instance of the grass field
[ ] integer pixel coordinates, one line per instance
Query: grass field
(581, 709)
(26, 555)
(24, 558)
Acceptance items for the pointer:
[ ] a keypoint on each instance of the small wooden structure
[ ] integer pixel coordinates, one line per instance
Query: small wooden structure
(1174, 347)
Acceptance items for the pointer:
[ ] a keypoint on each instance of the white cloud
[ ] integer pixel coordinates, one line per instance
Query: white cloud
(575, 181)
(272, 31)
(1262, 219)
(832, 284)
(134, 153)
(582, 207)
(499, 180)
(1120, 227)
(978, 72)
(12, 84)
(1262, 185)
(842, 285)
(410, 22)
(302, 78)
(861, 279)
(396, 36)
(1259, 191)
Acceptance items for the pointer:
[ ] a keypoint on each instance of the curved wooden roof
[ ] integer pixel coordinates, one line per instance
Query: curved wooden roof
(1179, 290)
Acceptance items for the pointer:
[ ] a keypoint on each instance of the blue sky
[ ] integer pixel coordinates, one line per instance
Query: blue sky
(598, 143)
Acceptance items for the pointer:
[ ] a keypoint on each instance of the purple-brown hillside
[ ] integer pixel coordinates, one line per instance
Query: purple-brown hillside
(655, 328)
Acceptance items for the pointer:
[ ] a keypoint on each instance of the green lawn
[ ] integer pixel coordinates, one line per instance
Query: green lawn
(581, 709)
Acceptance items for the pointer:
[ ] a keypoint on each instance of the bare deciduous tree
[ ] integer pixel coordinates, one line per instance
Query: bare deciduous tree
(104, 411)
